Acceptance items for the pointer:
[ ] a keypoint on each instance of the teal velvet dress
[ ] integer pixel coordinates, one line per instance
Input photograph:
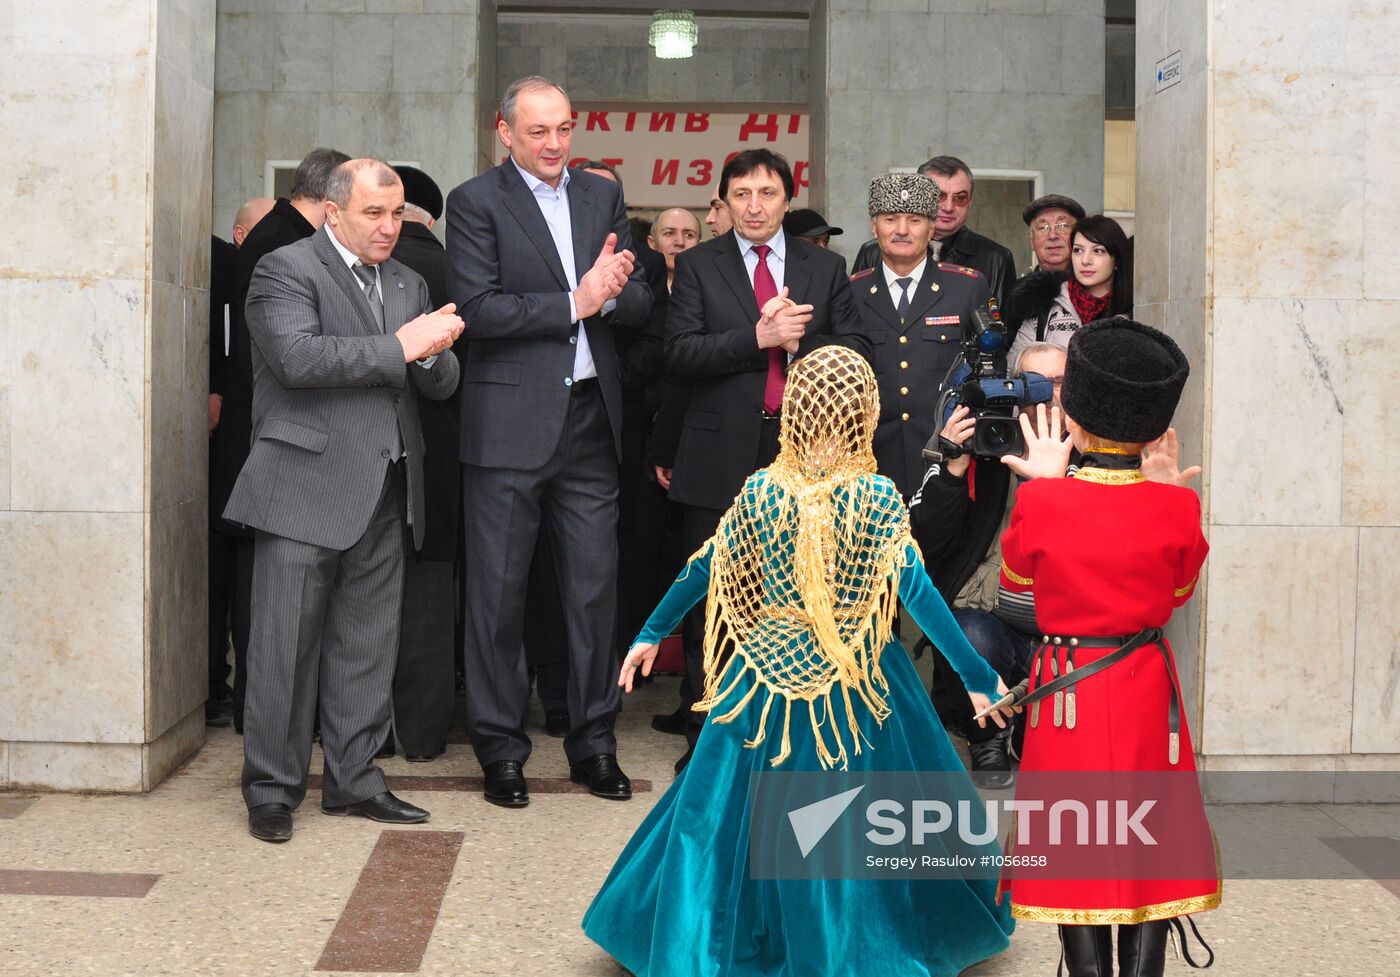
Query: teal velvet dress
(680, 901)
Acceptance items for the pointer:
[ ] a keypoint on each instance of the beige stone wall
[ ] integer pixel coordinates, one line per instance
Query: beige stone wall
(104, 142)
(1265, 244)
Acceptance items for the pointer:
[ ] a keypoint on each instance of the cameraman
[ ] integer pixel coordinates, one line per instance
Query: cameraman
(958, 516)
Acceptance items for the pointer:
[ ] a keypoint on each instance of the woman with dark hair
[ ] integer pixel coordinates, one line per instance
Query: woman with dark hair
(1048, 306)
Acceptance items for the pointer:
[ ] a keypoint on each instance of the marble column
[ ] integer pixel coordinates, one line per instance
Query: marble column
(106, 113)
(1266, 244)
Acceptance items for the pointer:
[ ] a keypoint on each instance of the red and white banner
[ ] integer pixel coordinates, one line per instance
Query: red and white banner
(672, 156)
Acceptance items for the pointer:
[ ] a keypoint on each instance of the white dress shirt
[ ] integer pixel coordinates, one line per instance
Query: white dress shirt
(351, 260)
(892, 279)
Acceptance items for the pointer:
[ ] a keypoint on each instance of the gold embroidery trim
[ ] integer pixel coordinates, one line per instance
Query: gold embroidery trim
(1183, 591)
(1104, 476)
(1015, 577)
(1098, 917)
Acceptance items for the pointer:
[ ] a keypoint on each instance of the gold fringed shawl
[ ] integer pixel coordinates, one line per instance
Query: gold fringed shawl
(805, 566)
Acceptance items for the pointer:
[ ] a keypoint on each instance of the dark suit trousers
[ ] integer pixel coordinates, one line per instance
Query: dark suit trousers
(575, 496)
(424, 687)
(700, 525)
(326, 621)
(230, 596)
(546, 635)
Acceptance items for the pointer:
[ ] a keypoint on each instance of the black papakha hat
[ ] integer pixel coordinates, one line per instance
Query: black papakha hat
(806, 222)
(420, 190)
(1052, 201)
(1123, 380)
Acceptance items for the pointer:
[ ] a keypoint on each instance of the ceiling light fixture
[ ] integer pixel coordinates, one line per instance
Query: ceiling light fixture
(673, 33)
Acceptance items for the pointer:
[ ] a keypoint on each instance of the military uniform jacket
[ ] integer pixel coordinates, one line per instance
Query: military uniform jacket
(911, 358)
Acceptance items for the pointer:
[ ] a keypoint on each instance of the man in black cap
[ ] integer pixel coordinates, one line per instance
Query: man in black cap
(810, 226)
(1050, 222)
(423, 680)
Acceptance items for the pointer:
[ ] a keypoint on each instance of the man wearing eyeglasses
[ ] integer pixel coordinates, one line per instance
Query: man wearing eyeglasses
(953, 241)
(1050, 222)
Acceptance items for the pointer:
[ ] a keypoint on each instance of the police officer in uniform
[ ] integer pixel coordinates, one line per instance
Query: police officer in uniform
(912, 309)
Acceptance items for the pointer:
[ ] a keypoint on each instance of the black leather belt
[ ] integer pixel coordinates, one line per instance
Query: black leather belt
(1063, 678)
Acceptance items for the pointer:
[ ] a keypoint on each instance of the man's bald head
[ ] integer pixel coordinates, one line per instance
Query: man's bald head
(672, 232)
(248, 216)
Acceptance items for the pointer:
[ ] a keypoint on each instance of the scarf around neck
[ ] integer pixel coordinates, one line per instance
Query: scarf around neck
(1086, 305)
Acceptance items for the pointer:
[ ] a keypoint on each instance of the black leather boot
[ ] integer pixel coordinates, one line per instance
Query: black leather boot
(1142, 949)
(1087, 951)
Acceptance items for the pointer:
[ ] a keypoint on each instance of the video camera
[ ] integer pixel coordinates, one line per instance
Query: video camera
(979, 380)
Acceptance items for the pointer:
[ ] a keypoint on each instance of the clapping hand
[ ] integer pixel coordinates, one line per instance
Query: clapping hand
(1161, 461)
(1047, 453)
(430, 333)
(782, 322)
(604, 281)
(642, 655)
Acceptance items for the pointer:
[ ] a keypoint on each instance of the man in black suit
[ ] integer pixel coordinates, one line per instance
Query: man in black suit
(953, 241)
(289, 220)
(423, 679)
(538, 263)
(743, 306)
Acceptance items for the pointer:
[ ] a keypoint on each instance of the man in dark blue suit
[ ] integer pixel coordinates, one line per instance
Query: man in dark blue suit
(538, 262)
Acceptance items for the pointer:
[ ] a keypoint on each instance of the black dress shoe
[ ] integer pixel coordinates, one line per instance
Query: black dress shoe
(423, 757)
(218, 711)
(991, 766)
(603, 777)
(270, 822)
(672, 722)
(684, 760)
(556, 722)
(383, 807)
(505, 784)
(386, 749)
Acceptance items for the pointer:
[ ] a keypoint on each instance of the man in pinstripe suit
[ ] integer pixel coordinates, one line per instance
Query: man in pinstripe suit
(343, 343)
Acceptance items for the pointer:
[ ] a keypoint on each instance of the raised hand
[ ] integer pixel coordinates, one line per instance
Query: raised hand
(957, 430)
(1047, 455)
(605, 280)
(430, 333)
(1161, 461)
(783, 323)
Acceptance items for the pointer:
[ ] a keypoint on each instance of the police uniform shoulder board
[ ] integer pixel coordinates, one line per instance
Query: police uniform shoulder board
(959, 269)
(863, 273)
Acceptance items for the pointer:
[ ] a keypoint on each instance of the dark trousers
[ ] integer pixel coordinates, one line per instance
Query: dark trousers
(230, 597)
(700, 525)
(575, 496)
(423, 678)
(546, 638)
(324, 621)
(1007, 650)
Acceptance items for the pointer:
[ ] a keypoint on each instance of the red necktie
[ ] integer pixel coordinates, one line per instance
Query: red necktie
(764, 288)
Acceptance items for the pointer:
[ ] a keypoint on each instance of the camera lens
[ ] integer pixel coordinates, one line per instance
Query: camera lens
(998, 434)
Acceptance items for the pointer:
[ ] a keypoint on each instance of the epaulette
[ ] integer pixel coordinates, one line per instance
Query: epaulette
(959, 269)
(863, 273)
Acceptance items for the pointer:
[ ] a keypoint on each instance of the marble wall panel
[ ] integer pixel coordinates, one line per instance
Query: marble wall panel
(1280, 640)
(950, 6)
(178, 426)
(362, 53)
(434, 54)
(914, 41)
(1376, 703)
(1381, 155)
(1371, 397)
(304, 53)
(858, 52)
(1081, 67)
(1272, 240)
(970, 139)
(394, 6)
(1064, 140)
(1278, 370)
(71, 598)
(1033, 57)
(1189, 203)
(177, 676)
(77, 766)
(1152, 252)
(972, 53)
(1312, 34)
(77, 395)
(4, 765)
(4, 394)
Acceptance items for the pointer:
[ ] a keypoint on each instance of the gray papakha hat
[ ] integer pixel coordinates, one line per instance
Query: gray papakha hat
(903, 193)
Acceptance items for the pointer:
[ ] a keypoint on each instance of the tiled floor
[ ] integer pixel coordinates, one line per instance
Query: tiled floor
(482, 891)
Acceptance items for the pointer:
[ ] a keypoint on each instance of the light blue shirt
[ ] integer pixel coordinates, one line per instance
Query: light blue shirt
(777, 258)
(554, 207)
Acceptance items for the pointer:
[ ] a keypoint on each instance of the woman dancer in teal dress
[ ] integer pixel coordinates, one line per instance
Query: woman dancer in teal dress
(802, 578)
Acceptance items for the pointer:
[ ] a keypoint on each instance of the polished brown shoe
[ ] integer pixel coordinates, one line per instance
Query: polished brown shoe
(603, 777)
(505, 784)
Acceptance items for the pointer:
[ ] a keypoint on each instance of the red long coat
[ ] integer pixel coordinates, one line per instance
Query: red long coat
(1106, 554)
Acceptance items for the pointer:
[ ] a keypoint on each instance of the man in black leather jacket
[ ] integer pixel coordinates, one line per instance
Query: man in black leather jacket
(953, 241)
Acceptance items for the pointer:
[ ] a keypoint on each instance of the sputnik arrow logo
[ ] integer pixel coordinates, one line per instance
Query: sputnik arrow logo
(811, 823)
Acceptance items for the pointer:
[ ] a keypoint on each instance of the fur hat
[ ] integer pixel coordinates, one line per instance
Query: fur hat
(903, 193)
(1123, 380)
(420, 190)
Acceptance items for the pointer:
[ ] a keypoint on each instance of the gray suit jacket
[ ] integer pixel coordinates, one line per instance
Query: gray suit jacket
(506, 277)
(330, 392)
